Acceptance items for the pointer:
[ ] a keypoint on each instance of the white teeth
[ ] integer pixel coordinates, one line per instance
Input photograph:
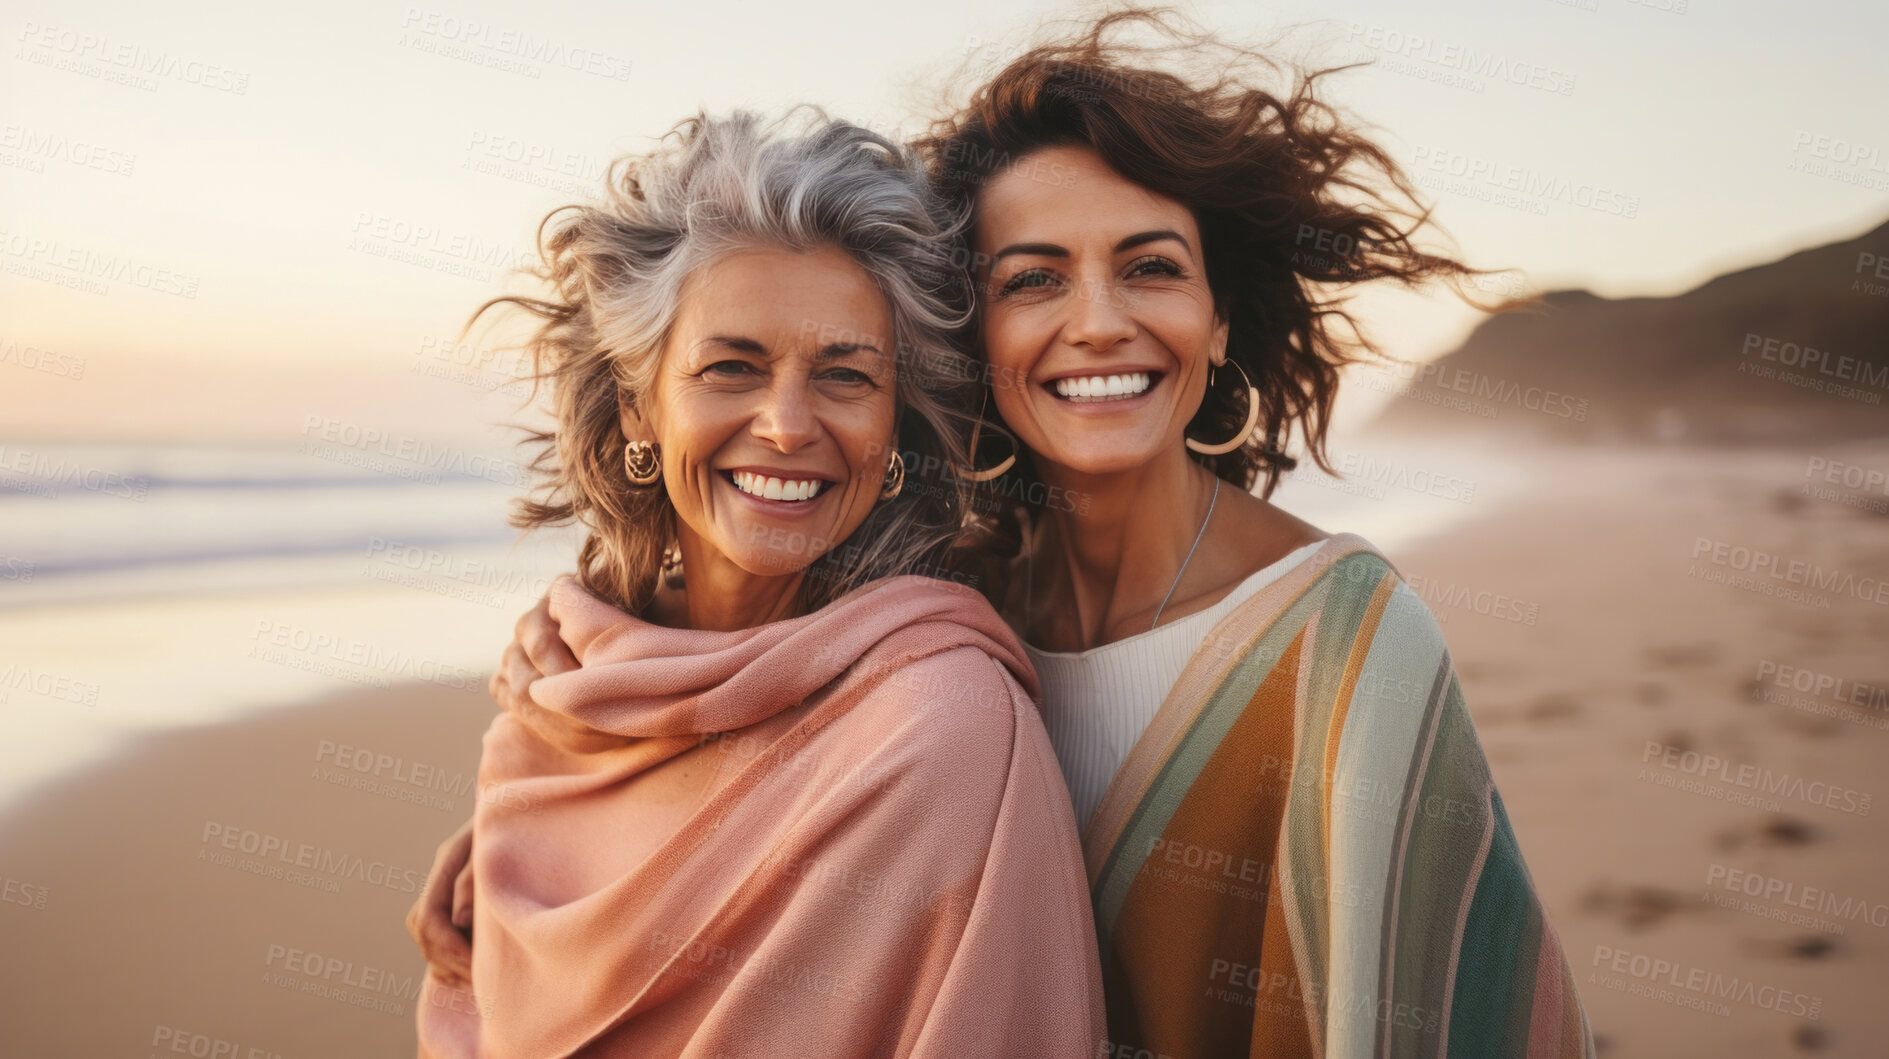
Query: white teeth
(1103, 387)
(776, 488)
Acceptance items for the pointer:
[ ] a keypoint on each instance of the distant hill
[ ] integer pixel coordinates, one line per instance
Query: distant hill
(1797, 349)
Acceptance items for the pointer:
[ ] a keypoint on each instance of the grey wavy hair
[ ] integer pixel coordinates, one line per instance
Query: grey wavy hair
(713, 186)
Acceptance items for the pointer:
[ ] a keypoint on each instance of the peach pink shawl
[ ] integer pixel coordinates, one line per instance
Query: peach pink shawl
(843, 834)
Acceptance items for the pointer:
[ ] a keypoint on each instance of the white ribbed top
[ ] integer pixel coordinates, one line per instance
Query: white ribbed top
(1096, 703)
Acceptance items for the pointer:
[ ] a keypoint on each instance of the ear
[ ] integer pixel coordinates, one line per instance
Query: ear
(1217, 345)
(631, 421)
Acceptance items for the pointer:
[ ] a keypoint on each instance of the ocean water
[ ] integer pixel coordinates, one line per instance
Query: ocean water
(150, 586)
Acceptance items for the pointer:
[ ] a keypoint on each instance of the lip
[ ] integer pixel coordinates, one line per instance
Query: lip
(1122, 369)
(1091, 408)
(796, 473)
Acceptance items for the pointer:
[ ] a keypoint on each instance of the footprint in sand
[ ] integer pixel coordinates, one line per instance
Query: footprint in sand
(1638, 907)
(1683, 656)
(1809, 947)
(1778, 831)
(1554, 706)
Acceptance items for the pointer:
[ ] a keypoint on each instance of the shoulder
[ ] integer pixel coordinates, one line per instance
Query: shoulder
(959, 693)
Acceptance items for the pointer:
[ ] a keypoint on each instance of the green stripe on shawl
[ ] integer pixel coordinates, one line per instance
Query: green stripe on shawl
(1417, 938)
(1494, 990)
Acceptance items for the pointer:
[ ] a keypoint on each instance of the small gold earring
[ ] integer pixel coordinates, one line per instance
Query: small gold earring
(894, 476)
(642, 461)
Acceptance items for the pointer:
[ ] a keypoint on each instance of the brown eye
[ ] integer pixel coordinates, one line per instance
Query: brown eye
(1026, 280)
(1154, 265)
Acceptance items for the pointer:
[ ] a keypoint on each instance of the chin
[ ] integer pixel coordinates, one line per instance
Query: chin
(1101, 457)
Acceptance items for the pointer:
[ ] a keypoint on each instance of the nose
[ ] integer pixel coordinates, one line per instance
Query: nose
(785, 417)
(1097, 319)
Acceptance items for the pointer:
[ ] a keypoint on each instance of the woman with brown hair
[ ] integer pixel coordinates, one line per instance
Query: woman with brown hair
(1293, 842)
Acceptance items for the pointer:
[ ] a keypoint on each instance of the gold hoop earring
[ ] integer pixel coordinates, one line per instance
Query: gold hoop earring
(1252, 417)
(986, 475)
(894, 476)
(642, 461)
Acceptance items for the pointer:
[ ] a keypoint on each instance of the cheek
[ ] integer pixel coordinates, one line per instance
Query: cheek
(863, 431)
(1009, 354)
(1185, 326)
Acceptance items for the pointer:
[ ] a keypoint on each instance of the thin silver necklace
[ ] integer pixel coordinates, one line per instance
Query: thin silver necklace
(1190, 555)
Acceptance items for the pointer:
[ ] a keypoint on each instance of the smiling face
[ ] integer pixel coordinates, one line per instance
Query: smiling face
(774, 406)
(1098, 322)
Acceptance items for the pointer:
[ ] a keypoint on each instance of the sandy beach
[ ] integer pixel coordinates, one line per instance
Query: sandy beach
(1701, 830)
(1704, 834)
(239, 887)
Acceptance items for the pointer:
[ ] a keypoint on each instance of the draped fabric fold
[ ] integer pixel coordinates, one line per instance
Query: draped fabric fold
(1305, 854)
(843, 834)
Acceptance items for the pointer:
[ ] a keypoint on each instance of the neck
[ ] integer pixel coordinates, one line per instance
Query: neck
(1109, 563)
(720, 596)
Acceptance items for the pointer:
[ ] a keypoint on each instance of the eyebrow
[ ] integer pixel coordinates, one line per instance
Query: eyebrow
(1128, 243)
(831, 351)
(841, 349)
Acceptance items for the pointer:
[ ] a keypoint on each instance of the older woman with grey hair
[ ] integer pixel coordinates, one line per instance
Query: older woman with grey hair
(797, 797)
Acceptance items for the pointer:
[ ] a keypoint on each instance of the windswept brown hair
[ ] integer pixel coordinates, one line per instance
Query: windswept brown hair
(1296, 206)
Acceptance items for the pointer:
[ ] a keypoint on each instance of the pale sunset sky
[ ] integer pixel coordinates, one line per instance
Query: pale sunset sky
(307, 197)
